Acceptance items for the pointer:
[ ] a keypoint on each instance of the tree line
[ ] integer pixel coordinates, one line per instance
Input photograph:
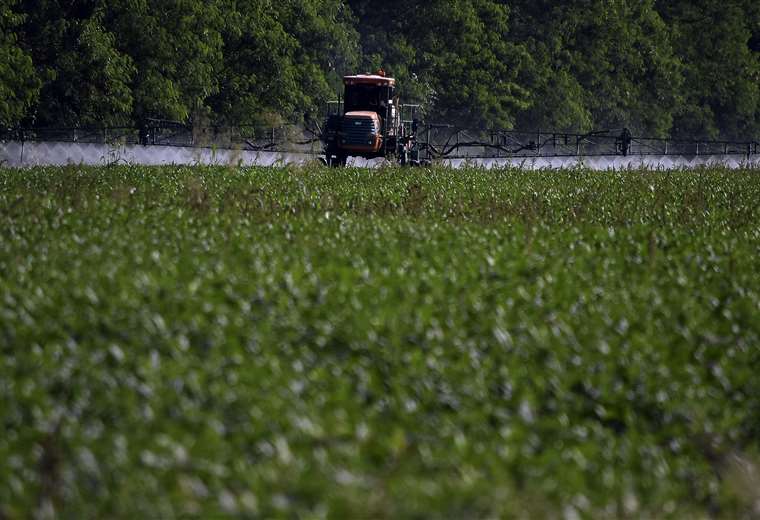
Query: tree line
(662, 68)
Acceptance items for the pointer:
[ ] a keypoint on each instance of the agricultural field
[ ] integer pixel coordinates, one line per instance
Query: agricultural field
(393, 343)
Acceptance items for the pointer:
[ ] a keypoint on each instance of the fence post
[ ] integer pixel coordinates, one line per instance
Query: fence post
(21, 162)
(428, 142)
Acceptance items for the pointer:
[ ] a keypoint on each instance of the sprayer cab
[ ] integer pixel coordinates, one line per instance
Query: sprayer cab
(368, 93)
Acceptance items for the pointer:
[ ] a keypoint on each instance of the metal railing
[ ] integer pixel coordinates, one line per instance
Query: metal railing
(450, 142)
(434, 141)
(247, 137)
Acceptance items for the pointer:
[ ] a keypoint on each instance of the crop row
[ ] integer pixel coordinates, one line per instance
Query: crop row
(386, 343)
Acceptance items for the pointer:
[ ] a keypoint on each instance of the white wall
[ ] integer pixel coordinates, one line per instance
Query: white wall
(15, 154)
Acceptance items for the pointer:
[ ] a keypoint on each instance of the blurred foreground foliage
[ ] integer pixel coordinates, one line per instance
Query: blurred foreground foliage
(389, 343)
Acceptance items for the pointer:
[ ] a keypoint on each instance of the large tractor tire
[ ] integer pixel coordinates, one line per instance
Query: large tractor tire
(335, 158)
(340, 160)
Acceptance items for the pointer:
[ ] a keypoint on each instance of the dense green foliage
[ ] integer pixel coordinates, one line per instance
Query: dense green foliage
(678, 68)
(451, 55)
(719, 45)
(612, 65)
(387, 343)
(283, 60)
(19, 85)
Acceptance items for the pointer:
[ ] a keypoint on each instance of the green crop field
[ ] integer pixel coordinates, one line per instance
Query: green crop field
(393, 343)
